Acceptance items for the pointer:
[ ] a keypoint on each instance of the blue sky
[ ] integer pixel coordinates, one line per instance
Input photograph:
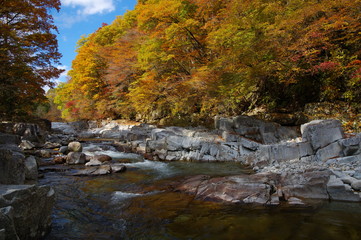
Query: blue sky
(79, 17)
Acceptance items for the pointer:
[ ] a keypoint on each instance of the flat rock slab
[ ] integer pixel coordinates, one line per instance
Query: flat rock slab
(269, 188)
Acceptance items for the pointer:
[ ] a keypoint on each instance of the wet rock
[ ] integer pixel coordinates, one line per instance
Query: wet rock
(253, 189)
(321, 133)
(64, 150)
(94, 171)
(59, 159)
(44, 153)
(117, 168)
(295, 201)
(32, 207)
(31, 168)
(75, 158)
(102, 158)
(93, 162)
(9, 139)
(75, 147)
(50, 145)
(26, 145)
(12, 166)
(7, 223)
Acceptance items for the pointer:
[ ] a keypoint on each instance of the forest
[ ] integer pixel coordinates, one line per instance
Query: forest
(192, 59)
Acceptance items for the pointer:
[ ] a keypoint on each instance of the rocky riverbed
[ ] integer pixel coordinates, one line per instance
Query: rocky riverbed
(316, 161)
(290, 165)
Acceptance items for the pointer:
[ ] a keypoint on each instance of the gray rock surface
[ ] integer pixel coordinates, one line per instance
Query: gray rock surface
(31, 168)
(7, 223)
(75, 158)
(12, 166)
(32, 207)
(321, 133)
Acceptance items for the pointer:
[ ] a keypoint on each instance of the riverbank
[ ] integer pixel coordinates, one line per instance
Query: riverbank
(317, 161)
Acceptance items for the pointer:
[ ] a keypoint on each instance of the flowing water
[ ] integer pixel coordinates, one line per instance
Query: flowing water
(139, 204)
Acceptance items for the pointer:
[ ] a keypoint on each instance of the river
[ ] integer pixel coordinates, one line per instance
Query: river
(140, 204)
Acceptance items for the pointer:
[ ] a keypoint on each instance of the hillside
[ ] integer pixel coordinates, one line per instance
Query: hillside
(192, 59)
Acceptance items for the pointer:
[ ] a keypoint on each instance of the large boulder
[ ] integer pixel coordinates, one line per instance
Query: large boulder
(321, 133)
(75, 147)
(75, 158)
(12, 167)
(9, 139)
(253, 189)
(28, 131)
(32, 206)
(255, 129)
(31, 168)
(7, 224)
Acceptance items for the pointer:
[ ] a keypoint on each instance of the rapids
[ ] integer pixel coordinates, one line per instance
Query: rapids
(140, 204)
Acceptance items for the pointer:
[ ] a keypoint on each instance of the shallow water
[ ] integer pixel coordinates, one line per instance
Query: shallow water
(139, 204)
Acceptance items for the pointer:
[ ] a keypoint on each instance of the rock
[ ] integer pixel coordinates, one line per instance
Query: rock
(75, 158)
(94, 171)
(9, 139)
(351, 146)
(102, 158)
(28, 131)
(31, 168)
(321, 133)
(356, 185)
(26, 145)
(44, 153)
(349, 180)
(340, 191)
(59, 160)
(32, 207)
(75, 147)
(64, 150)
(7, 223)
(93, 162)
(118, 168)
(50, 145)
(295, 201)
(311, 185)
(12, 167)
(333, 150)
(174, 143)
(252, 189)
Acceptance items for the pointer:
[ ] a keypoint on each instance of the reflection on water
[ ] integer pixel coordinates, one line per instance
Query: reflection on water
(138, 204)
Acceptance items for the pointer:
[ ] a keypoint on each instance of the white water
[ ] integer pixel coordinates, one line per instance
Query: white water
(120, 196)
(163, 168)
(93, 149)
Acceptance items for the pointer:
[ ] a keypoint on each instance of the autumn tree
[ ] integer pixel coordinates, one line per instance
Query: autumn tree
(193, 59)
(28, 54)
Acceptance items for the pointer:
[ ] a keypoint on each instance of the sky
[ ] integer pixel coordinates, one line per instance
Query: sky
(82, 17)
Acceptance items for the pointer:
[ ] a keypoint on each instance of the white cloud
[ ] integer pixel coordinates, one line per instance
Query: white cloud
(89, 7)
